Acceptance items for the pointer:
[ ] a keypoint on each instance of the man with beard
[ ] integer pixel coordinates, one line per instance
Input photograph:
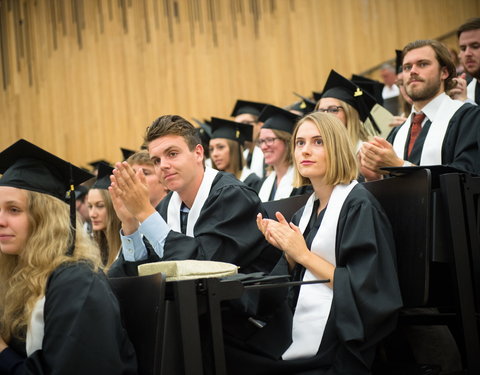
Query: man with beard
(469, 42)
(439, 131)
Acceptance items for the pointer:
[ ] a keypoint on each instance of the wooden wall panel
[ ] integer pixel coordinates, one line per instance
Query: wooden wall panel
(85, 77)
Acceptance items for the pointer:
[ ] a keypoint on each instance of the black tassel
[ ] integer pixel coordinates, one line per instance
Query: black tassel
(73, 214)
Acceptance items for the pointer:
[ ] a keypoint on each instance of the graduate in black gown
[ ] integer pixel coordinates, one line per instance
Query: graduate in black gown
(57, 312)
(274, 141)
(226, 150)
(208, 214)
(439, 131)
(342, 235)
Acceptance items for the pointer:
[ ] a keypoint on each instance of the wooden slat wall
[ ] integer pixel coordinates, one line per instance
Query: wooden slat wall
(85, 77)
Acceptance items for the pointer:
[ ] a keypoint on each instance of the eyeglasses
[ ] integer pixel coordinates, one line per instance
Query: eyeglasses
(267, 141)
(332, 109)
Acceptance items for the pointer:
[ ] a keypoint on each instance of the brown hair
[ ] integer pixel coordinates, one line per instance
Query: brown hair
(441, 53)
(108, 240)
(173, 125)
(235, 153)
(471, 24)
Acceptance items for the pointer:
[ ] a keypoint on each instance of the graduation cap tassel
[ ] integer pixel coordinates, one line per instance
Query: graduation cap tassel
(375, 126)
(73, 213)
(369, 115)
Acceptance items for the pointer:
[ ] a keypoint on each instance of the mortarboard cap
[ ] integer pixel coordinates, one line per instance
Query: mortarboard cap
(278, 118)
(27, 166)
(243, 106)
(81, 191)
(305, 105)
(96, 163)
(317, 95)
(371, 86)
(103, 177)
(204, 128)
(235, 131)
(341, 88)
(126, 153)
(398, 61)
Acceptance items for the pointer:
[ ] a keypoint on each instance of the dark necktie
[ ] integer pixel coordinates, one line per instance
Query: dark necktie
(477, 92)
(415, 130)
(183, 220)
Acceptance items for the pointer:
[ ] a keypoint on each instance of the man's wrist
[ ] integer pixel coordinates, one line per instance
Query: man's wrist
(144, 215)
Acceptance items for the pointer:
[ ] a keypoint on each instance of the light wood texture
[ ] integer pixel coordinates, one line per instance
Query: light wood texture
(83, 78)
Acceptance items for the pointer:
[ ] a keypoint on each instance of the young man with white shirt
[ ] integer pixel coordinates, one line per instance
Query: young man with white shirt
(449, 131)
(208, 215)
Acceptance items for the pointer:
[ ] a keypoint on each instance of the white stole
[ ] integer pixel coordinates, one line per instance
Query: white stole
(432, 148)
(245, 173)
(36, 328)
(284, 189)
(173, 210)
(315, 300)
(256, 166)
(471, 89)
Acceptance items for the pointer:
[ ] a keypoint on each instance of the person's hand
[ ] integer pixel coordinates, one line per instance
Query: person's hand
(262, 225)
(459, 92)
(131, 188)
(288, 238)
(129, 222)
(368, 174)
(397, 121)
(3, 344)
(378, 153)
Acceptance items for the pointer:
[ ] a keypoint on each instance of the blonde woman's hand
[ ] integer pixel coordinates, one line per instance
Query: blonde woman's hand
(289, 239)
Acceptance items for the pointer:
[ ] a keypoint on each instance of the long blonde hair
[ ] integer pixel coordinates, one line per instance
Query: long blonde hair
(23, 277)
(108, 240)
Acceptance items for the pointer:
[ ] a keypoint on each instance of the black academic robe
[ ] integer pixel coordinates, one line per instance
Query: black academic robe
(83, 332)
(225, 231)
(461, 143)
(366, 299)
(254, 182)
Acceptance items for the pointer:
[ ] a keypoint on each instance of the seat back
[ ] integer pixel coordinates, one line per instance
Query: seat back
(287, 206)
(406, 200)
(472, 208)
(142, 301)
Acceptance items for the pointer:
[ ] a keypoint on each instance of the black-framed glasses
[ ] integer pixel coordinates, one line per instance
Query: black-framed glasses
(334, 109)
(268, 141)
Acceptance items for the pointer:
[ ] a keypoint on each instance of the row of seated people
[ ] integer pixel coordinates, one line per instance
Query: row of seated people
(55, 299)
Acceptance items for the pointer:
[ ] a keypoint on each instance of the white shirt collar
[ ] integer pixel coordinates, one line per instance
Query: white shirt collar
(432, 107)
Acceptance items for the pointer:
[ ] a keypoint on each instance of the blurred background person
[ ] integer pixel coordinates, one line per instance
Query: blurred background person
(226, 150)
(275, 143)
(247, 112)
(343, 99)
(141, 161)
(105, 223)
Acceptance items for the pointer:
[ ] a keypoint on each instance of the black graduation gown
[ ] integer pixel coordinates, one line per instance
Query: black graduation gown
(225, 231)
(366, 298)
(254, 182)
(461, 144)
(83, 332)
